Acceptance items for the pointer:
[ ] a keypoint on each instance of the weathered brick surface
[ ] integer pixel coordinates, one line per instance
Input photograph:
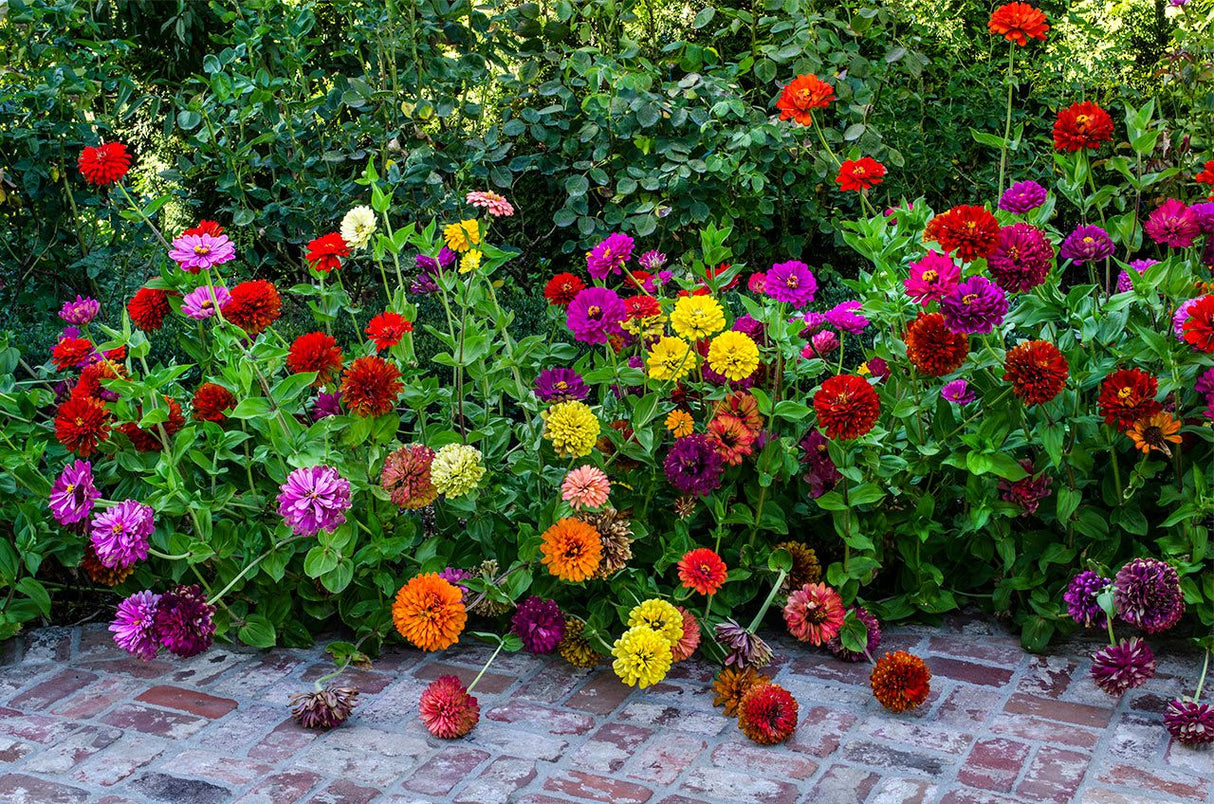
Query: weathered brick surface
(80, 721)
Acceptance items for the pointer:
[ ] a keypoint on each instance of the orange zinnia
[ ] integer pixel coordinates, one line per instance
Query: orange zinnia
(802, 95)
(1154, 432)
(901, 681)
(1018, 22)
(572, 549)
(732, 685)
(702, 570)
(680, 423)
(429, 612)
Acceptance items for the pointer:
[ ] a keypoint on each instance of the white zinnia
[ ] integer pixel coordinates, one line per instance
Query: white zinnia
(358, 226)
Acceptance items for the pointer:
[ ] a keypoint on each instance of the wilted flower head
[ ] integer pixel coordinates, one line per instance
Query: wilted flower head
(323, 709)
(406, 476)
(744, 648)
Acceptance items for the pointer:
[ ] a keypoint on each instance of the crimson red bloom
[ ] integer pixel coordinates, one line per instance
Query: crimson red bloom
(91, 376)
(1206, 176)
(148, 439)
(802, 95)
(81, 424)
(933, 348)
(1198, 328)
(210, 401)
(969, 230)
(1018, 22)
(204, 228)
(315, 351)
(1081, 126)
(561, 289)
(148, 307)
(387, 328)
(71, 352)
(104, 164)
(370, 386)
(860, 174)
(325, 252)
(768, 714)
(642, 307)
(847, 406)
(702, 570)
(1126, 396)
(253, 306)
(1037, 371)
(900, 681)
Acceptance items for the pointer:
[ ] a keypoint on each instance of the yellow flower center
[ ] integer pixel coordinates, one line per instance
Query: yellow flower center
(201, 250)
(930, 276)
(593, 310)
(969, 298)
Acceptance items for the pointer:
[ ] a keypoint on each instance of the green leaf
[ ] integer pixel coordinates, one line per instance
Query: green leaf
(253, 407)
(36, 592)
(258, 632)
(704, 17)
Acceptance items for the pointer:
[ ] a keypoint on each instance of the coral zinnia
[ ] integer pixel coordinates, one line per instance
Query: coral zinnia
(690, 640)
(814, 613)
(702, 570)
(801, 96)
(585, 487)
(642, 656)
(539, 624)
(768, 714)
(1198, 328)
(429, 612)
(387, 329)
(253, 306)
(742, 405)
(860, 174)
(572, 550)
(847, 406)
(81, 424)
(447, 710)
(970, 231)
(325, 252)
(1081, 126)
(900, 681)
(104, 164)
(1155, 432)
(1018, 22)
(148, 307)
(562, 288)
(496, 205)
(1126, 396)
(732, 438)
(572, 428)
(1037, 371)
(934, 349)
(211, 401)
(731, 686)
(315, 351)
(1124, 666)
(370, 386)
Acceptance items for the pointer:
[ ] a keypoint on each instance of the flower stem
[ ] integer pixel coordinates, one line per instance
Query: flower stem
(154, 552)
(1007, 126)
(767, 603)
(251, 565)
(1204, 668)
(501, 644)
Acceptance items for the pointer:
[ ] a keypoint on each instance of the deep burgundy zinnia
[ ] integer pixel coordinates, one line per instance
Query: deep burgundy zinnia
(874, 637)
(820, 471)
(1190, 722)
(183, 621)
(1080, 598)
(1023, 258)
(539, 624)
(1147, 593)
(1124, 666)
(1028, 492)
(693, 465)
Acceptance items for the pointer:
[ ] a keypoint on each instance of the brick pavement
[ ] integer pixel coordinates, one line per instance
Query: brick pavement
(79, 721)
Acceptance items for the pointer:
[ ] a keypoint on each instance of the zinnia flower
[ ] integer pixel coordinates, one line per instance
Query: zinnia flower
(447, 710)
(1081, 126)
(1028, 492)
(429, 612)
(1080, 598)
(958, 392)
(652, 260)
(900, 681)
(703, 570)
(731, 437)
(134, 625)
(184, 621)
(370, 386)
(1190, 722)
(845, 317)
(1198, 328)
(687, 644)
(733, 355)
(406, 476)
(1147, 594)
(1155, 433)
(357, 226)
(462, 236)
(313, 499)
(873, 631)
(81, 311)
(563, 288)
(572, 550)
(1126, 396)
(847, 406)
(148, 307)
(671, 358)
(560, 385)
(326, 405)
(821, 344)
(806, 569)
(932, 277)
(201, 252)
(72, 495)
(814, 613)
(120, 534)
(1037, 371)
(470, 262)
(609, 256)
(572, 428)
(1022, 197)
(693, 465)
(491, 202)
(768, 714)
(325, 252)
(81, 424)
(731, 686)
(801, 96)
(1124, 666)
(253, 306)
(70, 353)
(387, 329)
(574, 647)
(211, 401)
(744, 648)
(976, 305)
(859, 174)
(101, 574)
(1206, 176)
(315, 351)
(1022, 260)
(1086, 244)
(680, 423)
(104, 164)
(1018, 22)
(660, 616)
(1173, 224)
(595, 314)
(326, 708)
(790, 282)
(642, 656)
(970, 231)
(203, 302)
(204, 226)
(585, 487)
(456, 470)
(697, 317)
(539, 624)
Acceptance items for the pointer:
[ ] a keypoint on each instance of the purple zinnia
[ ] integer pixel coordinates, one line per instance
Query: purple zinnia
(791, 282)
(326, 405)
(756, 330)
(199, 252)
(1204, 212)
(72, 495)
(821, 474)
(455, 576)
(595, 314)
(134, 625)
(1022, 197)
(1172, 224)
(313, 499)
(560, 385)
(431, 266)
(845, 316)
(1121, 667)
(654, 283)
(1205, 382)
(1147, 593)
(121, 533)
(932, 277)
(874, 638)
(202, 302)
(878, 368)
(652, 260)
(814, 323)
(693, 465)
(1180, 316)
(183, 621)
(609, 256)
(976, 305)
(744, 648)
(958, 392)
(539, 623)
(1080, 598)
(1085, 244)
(1190, 722)
(1124, 283)
(81, 311)
(1022, 259)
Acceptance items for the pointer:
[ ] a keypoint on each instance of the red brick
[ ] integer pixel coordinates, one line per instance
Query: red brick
(1065, 711)
(509, 741)
(1176, 786)
(719, 784)
(609, 748)
(879, 757)
(541, 718)
(120, 760)
(666, 758)
(255, 677)
(590, 787)
(601, 695)
(165, 787)
(18, 788)
(984, 651)
(675, 718)
(969, 672)
(1044, 731)
(73, 749)
(286, 740)
(281, 788)
(490, 683)
(445, 770)
(130, 666)
(33, 727)
(498, 782)
(1048, 676)
(828, 668)
(993, 765)
(13, 750)
(966, 708)
(820, 731)
(226, 770)
(970, 796)
(1054, 775)
(98, 697)
(904, 791)
(192, 701)
(897, 730)
(552, 683)
(57, 687)
(368, 682)
(842, 784)
(345, 792)
(154, 721)
(762, 761)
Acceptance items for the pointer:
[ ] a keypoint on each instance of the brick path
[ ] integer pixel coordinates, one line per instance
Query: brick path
(81, 722)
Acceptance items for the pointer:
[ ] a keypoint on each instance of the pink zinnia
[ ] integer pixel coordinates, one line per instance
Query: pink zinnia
(932, 278)
(585, 487)
(203, 302)
(200, 252)
(447, 709)
(496, 205)
(814, 613)
(1173, 224)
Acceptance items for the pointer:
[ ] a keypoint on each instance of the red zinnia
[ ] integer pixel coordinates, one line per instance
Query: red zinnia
(204, 228)
(642, 307)
(71, 352)
(702, 570)
(148, 307)
(934, 349)
(82, 423)
(802, 95)
(317, 352)
(370, 386)
(1082, 125)
(91, 376)
(1126, 396)
(387, 328)
(210, 401)
(148, 439)
(969, 230)
(1018, 22)
(562, 288)
(768, 714)
(847, 406)
(253, 306)
(1198, 328)
(1037, 371)
(104, 164)
(860, 174)
(325, 252)
(900, 681)
(446, 708)
(1206, 176)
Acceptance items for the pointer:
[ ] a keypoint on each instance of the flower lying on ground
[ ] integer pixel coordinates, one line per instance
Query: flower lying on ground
(447, 709)
(900, 681)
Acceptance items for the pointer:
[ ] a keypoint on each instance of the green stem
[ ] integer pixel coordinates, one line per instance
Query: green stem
(1204, 668)
(1007, 126)
(501, 644)
(251, 565)
(152, 551)
(775, 589)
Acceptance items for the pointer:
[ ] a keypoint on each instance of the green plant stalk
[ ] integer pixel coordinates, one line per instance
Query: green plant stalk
(215, 598)
(1205, 667)
(501, 644)
(775, 589)
(1007, 125)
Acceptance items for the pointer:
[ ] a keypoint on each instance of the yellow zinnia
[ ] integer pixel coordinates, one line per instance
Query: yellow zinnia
(463, 235)
(470, 262)
(660, 617)
(733, 355)
(456, 469)
(697, 317)
(642, 657)
(670, 359)
(572, 428)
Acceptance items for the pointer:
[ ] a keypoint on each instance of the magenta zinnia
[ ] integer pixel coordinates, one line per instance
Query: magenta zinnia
(72, 495)
(121, 533)
(609, 256)
(200, 252)
(313, 499)
(595, 314)
(1117, 668)
(134, 625)
(1147, 594)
